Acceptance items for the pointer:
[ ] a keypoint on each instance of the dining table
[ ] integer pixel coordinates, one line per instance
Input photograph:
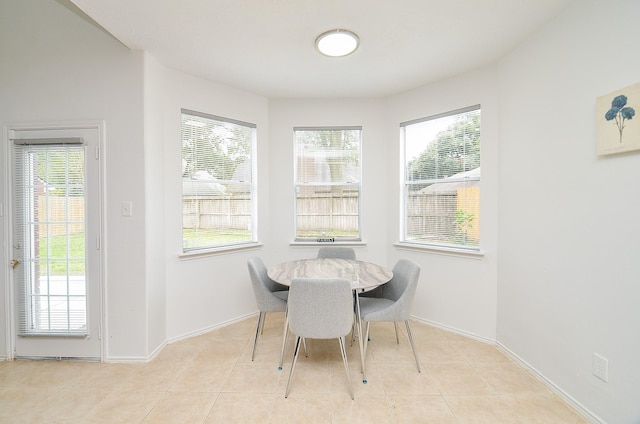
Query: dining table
(363, 276)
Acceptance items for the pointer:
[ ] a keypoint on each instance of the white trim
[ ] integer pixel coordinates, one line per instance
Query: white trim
(6, 259)
(454, 330)
(99, 126)
(206, 330)
(159, 349)
(128, 360)
(441, 115)
(296, 184)
(574, 404)
(195, 254)
(102, 163)
(214, 121)
(581, 409)
(335, 243)
(441, 250)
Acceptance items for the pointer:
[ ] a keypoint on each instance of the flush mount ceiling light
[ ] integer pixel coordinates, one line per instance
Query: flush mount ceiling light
(337, 42)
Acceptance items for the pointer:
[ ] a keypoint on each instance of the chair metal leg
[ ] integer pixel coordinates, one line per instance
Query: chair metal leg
(284, 339)
(343, 350)
(366, 340)
(258, 332)
(353, 329)
(413, 345)
(264, 318)
(395, 326)
(293, 365)
(355, 316)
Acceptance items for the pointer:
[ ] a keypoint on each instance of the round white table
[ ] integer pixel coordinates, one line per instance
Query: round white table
(363, 275)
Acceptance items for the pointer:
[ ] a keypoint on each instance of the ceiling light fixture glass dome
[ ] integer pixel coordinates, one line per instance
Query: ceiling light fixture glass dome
(337, 42)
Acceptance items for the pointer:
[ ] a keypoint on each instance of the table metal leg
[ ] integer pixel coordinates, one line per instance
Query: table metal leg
(360, 338)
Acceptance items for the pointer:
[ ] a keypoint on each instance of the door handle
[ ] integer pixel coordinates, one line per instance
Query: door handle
(15, 263)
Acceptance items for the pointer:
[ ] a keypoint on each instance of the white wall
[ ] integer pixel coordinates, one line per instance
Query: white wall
(55, 67)
(454, 291)
(206, 292)
(564, 220)
(569, 281)
(154, 161)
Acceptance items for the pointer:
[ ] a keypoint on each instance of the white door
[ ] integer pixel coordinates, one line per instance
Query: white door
(56, 230)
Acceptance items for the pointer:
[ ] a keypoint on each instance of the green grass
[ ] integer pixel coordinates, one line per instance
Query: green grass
(205, 237)
(55, 251)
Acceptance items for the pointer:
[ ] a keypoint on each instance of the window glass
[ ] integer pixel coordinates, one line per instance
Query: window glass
(441, 195)
(218, 199)
(327, 183)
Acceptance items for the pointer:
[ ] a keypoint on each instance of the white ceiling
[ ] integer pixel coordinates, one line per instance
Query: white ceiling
(267, 46)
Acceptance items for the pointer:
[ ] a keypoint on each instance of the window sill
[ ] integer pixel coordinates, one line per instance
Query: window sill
(218, 251)
(437, 250)
(333, 243)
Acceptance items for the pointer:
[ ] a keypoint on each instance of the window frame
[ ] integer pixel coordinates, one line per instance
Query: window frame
(405, 183)
(327, 238)
(251, 186)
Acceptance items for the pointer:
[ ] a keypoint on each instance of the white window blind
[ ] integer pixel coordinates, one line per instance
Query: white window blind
(218, 187)
(327, 183)
(441, 196)
(49, 236)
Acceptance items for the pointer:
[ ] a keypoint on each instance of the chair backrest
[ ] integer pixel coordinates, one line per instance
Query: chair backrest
(402, 287)
(337, 252)
(263, 286)
(320, 308)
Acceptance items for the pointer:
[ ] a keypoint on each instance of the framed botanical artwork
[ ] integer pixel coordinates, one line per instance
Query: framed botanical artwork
(618, 126)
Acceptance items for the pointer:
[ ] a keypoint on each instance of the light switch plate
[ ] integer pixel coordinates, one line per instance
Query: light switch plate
(126, 208)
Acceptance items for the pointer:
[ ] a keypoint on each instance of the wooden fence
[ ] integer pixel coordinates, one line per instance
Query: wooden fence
(64, 213)
(328, 210)
(432, 216)
(429, 215)
(320, 210)
(216, 212)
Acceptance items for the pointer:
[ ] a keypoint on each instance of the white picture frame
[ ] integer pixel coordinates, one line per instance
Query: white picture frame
(618, 121)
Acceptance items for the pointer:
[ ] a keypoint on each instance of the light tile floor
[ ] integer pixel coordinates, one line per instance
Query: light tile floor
(211, 379)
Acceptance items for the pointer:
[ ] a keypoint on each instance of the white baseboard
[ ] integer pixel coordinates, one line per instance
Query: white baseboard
(577, 406)
(580, 408)
(209, 329)
(157, 351)
(455, 330)
(127, 360)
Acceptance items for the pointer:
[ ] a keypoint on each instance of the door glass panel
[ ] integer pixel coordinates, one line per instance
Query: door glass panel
(50, 235)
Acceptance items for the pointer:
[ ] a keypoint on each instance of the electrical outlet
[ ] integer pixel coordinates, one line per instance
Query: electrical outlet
(600, 367)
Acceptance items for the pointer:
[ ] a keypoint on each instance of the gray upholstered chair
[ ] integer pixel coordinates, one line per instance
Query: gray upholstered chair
(270, 296)
(391, 302)
(337, 252)
(320, 309)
